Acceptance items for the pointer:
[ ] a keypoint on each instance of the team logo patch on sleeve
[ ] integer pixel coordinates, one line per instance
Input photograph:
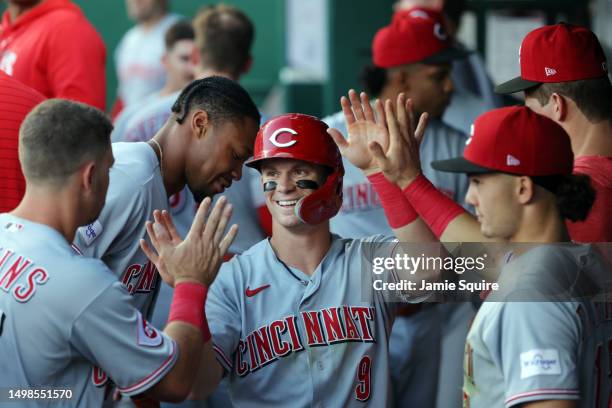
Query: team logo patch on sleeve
(540, 362)
(148, 335)
(90, 232)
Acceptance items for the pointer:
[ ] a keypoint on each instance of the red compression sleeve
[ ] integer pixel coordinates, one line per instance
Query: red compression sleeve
(188, 305)
(397, 208)
(436, 209)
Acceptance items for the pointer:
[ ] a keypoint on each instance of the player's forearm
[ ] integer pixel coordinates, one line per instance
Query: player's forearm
(416, 231)
(551, 404)
(209, 374)
(176, 385)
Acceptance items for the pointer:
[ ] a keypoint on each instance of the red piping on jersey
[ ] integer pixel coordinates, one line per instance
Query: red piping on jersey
(223, 356)
(148, 379)
(543, 391)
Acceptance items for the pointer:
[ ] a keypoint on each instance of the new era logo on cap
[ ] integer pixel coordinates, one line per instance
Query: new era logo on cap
(549, 71)
(512, 161)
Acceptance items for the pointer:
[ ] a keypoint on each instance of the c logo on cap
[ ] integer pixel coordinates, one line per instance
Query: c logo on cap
(439, 32)
(278, 132)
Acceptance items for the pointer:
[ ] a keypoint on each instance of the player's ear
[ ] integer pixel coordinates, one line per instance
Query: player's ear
(88, 174)
(525, 189)
(559, 107)
(199, 123)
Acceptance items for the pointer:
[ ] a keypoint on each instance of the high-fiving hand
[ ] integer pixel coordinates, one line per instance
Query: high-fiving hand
(400, 162)
(199, 256)
(364, 127)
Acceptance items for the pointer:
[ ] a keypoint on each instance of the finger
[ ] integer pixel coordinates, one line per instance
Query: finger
(349, 116)
(419, 134)
(402, 118)
(338, 139)
(169, 223)
(212, 222)
(160, 227)
(197, 226)
(379, 155)
(228, 239)
(367, 107)
(410, 112)
(356, 105)
(225, 217)
(391, 125)
(148, 251)
(152, 235)
(380, 113)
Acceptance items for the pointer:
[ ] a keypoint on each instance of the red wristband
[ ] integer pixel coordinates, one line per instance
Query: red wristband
(188, 305)
(397, 208)
(436, 209)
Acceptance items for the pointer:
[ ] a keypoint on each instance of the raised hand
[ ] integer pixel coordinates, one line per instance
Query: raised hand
(364, 126)
(199, 256)
(400, 162)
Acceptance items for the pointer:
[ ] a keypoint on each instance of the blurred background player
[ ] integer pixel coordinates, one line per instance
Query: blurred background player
(90, 328)
(178, 66)
(564, 75)
(138, 56)
(77, 66)
(16, 100)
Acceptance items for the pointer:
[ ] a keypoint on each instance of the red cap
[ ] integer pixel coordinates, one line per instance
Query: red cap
(514, 140)
(557, 53)
(414, 35)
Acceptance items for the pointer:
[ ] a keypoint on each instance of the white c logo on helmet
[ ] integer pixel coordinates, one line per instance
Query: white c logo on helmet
(278, 132)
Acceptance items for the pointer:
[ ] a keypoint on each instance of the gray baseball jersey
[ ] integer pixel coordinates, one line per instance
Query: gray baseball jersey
(136, 189)
(286, 338)
(530, 350)
(65, 321)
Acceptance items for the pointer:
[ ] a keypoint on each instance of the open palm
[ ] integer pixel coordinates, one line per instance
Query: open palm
(364, 127)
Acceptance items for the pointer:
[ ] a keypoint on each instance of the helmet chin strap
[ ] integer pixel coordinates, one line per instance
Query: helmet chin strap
(301, 184)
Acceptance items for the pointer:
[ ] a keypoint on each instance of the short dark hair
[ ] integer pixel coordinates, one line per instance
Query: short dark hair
(573, 193)
(58, 136)
(181, 30)
(592, 96)
(221, 98)
(224, 36)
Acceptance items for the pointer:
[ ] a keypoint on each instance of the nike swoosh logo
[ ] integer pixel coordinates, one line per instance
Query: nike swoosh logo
(252, 292)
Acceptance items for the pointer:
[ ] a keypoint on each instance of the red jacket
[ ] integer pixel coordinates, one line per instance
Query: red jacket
(16, 101)
(55, 50)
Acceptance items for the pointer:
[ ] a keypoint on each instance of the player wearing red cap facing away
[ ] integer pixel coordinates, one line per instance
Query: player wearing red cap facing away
(565, 77)
(293, 321)
(50, 46)
(412, 54)
(533, 352)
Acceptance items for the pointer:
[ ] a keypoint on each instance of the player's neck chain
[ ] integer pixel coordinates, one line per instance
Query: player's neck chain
(161, 156)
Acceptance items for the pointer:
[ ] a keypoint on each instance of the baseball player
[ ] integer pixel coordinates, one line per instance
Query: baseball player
(66, 324)
(565, 77)
(423, 73)
(289, 319)
(202, 145)
(532, 352)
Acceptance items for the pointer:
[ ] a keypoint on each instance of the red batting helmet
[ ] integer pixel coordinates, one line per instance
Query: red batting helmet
(304, 137)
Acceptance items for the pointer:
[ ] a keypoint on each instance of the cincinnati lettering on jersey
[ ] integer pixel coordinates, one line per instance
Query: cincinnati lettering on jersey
(322, 328)
(140, 278)
(12, 267)
(363, 197)
(359, 197)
